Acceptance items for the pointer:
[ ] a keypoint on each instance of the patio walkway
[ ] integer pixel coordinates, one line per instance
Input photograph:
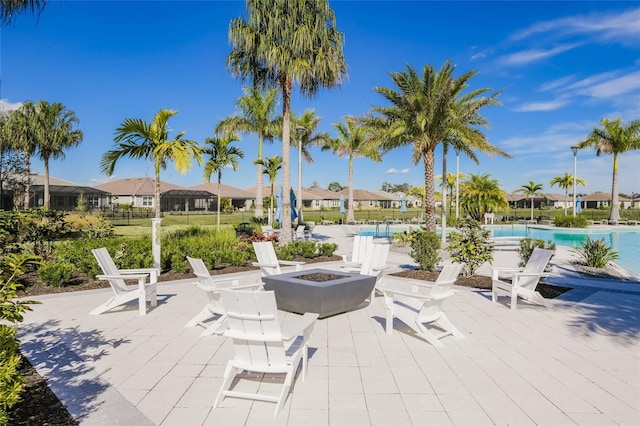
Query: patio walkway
(577, 362)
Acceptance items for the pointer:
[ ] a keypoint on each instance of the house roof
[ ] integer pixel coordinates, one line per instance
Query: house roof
(136, 186)
(602, 196)
(59, 186)
(227, 191)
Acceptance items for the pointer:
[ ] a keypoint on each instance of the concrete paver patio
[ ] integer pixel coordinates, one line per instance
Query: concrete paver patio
(576, 362)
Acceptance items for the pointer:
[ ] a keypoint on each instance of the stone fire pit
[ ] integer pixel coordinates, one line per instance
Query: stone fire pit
(321, 291)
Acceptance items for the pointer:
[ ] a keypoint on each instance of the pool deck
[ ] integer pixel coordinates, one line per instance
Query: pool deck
(575, 362)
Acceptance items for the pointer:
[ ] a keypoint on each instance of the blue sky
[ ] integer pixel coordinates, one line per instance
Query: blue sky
(563, 65)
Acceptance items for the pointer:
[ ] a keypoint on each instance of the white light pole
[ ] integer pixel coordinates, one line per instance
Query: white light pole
(300, 129)
(574, 149)
(457, 183)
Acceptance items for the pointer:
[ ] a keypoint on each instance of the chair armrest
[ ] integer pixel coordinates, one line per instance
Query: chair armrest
(266, 265)
(153, 273)
(291, 262)
(507, 269)
(122, 277)
(532, 274)
(306, 321)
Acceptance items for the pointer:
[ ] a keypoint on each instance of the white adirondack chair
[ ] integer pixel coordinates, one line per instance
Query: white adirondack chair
(260, 344)
(301, 234)
(268, 261)
(214, 307)
(361, 244)
(123, 293)
(524, 280)
(430, 297)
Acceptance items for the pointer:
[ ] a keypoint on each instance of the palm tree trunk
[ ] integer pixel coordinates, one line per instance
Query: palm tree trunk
(443, 216)
(219, 189)
(27, 186)
(350, 214)
(566, 197)
(156, 191)
(532, 207)
(429, 199)
(615, 205)
(46, 183)
(259, 211)
(285, 234)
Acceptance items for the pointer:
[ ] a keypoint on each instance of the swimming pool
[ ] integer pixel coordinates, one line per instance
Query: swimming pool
(625, 241)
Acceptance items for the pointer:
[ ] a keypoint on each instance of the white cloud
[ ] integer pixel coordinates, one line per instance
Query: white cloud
(622, 27)
(555, 84)
(534, 55)
(542, 106)
(5, 105)
(622, 85)
(393, 171)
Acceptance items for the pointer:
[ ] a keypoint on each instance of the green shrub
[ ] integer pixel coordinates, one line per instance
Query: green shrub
(570, 222)
(262, 220)
(89, 226)
(471, 246)
(528, 244)
(596, 253)
(11, 311)
(327, 249)
(424, 249)
(56, 273)
(10, 379)
(306, 249)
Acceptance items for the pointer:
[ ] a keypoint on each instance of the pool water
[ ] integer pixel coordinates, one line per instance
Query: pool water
(625, 241)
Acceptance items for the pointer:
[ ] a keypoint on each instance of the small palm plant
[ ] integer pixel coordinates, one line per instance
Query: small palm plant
(596, 253)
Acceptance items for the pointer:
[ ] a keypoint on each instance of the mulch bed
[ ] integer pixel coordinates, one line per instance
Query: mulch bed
(546, 290)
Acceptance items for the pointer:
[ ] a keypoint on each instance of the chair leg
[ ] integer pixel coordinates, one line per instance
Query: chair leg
(514, 299)
(229, 373)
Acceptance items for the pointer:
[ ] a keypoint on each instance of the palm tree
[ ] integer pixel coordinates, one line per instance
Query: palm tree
(54, 133)
(480, 194)
(271, 167)
(614, 138)
(565, 182)
(428, 110)
(282, 42)
(21, 134)
(136, 138)
(352, 141)
(451, 184)
(10, 9)
(531, 190)
(221, 155)
(305, 135)
(257, 109)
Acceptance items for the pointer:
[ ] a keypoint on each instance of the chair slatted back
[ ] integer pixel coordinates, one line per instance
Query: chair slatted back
(254, 328)
(446, 279)
(375, 257)
(360, 245)
(200, 269)
(109, 268)
(266, 255)
(536, 264)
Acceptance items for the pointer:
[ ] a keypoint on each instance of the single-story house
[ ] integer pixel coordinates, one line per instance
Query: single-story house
(63, 194)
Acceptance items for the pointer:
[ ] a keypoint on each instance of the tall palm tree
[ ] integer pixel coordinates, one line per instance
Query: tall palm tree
(136, 138)
(272, 166)
(614, 138)
(352, 142)
(451, 184)
(530, 190)
(21, 133)
(221, 154)
(480, 194)
(54, 133)
(282, 42)
(257, 115)
(305, 135)
(428, 110)
(10, 9)
(565, 182)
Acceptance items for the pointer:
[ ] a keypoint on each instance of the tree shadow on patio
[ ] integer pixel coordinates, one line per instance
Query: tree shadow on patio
(616, 314)
(64, 356)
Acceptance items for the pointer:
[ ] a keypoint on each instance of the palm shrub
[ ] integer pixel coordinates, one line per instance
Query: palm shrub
(471, 246)
(425, 246)
(596, 253)
(527, 245)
